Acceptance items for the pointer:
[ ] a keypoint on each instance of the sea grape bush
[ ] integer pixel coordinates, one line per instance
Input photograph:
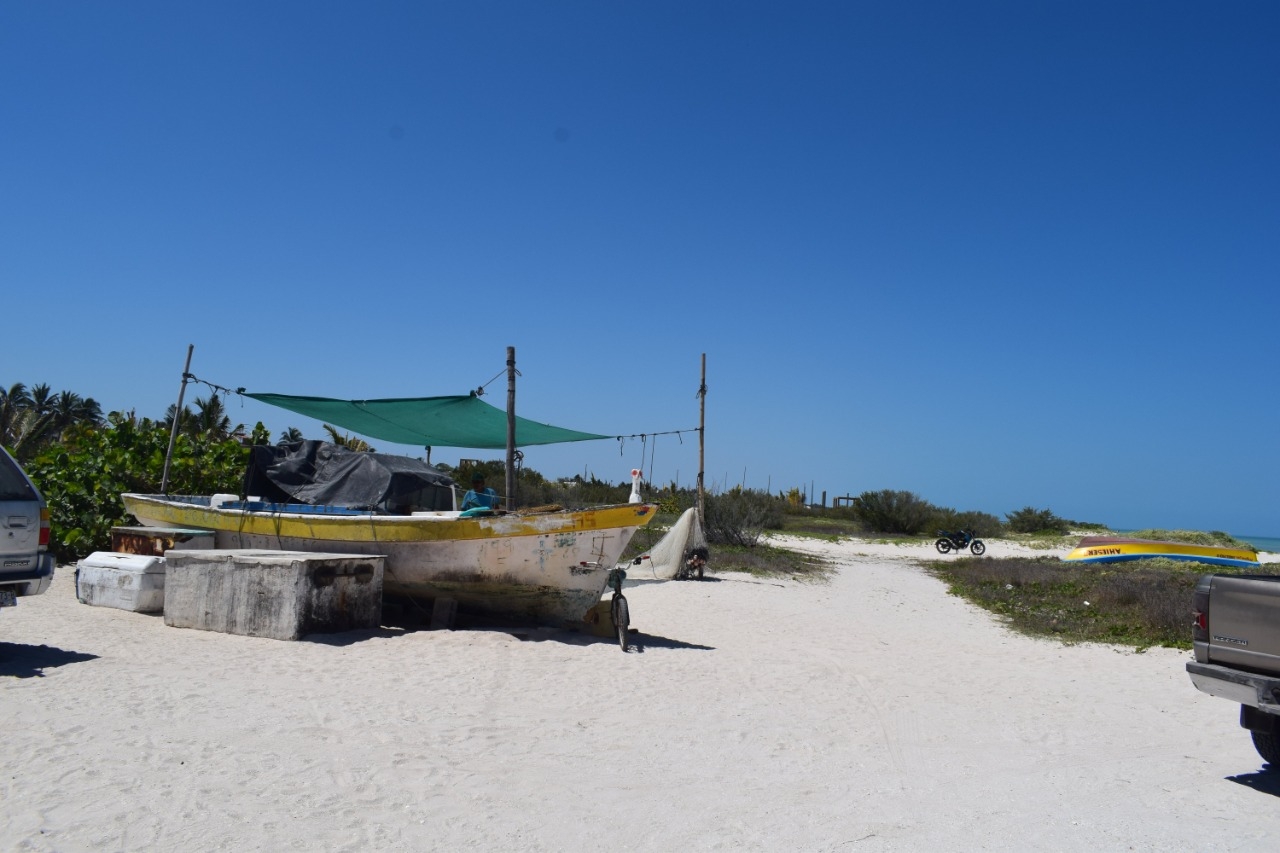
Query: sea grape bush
(82, 477)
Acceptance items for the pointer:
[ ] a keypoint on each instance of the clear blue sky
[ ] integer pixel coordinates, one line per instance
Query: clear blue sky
(996, 253)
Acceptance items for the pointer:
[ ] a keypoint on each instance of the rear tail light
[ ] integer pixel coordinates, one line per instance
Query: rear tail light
(1200, 616)
(44, 528)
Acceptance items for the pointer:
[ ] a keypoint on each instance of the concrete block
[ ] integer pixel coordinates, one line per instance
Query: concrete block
(284, 595)
(123, 581)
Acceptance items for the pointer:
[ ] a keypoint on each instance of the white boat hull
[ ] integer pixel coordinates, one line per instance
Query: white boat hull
(549, 567)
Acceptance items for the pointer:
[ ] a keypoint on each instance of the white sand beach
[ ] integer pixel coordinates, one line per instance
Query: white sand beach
(872, 712)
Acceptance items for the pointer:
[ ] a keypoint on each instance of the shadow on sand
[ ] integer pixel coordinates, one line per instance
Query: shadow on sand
(1266, 780)
(19, 660)
(640, 580)
(639, 641)
(525, 633)
(359, 635)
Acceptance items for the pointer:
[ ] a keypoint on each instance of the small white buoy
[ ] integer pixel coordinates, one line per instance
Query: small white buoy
(635, 487)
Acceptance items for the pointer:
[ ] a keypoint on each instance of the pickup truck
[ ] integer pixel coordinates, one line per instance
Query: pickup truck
(26, 566)
(1236, 641)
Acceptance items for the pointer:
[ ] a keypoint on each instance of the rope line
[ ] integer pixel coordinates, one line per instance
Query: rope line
(191, 377)
(479, 392)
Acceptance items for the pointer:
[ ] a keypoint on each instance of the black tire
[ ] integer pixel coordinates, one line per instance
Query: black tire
(621, 620)
(943, 546)
(977, 548)
(1268, 746)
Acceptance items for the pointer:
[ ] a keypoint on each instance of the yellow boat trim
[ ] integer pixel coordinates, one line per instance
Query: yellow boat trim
(384, 528)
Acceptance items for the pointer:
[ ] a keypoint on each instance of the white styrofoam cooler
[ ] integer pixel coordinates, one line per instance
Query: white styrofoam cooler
(124, 581)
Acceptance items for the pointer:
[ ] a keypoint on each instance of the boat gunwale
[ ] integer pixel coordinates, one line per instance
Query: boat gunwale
(404, 528)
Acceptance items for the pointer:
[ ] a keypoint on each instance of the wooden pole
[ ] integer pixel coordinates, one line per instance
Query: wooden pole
(177, 416)
(702, 441)
(511, 428)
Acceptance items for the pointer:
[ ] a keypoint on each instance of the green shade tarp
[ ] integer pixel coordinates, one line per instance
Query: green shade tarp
(426, 421)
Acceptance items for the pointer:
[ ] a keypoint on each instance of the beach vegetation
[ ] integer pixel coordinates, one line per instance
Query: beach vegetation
(741, 516)
(34, 418)
(889, 511)
(290, 436)
(768, 561)
(533, 489)
(83, 476)
(1044, 541)
(1032, 520)
(1215, 538)
(209, 419)
(979, 523)
(1140, 603)
(831, 525)
(347, 440)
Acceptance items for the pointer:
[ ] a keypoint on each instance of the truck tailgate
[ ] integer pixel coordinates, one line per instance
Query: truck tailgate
(1243, 629)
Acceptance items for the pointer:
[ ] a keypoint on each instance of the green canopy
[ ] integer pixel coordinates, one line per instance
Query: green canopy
(426, 421)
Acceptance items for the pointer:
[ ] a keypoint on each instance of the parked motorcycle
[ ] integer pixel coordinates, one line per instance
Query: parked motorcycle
(958, 541)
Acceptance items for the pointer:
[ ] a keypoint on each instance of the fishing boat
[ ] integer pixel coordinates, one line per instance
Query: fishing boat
(547, 565)
(550, 567)
(1114, 549)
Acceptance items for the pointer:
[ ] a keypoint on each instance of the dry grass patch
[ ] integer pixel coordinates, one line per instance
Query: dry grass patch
(1142, 603)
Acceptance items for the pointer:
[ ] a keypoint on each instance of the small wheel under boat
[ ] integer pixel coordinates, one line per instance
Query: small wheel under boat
(621, 620)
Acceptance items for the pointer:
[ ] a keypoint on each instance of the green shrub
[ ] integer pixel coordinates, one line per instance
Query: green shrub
(888, 511)
(981, 523)
(1214, 538)
(83, 477)
(739, 517)
(1032, 520)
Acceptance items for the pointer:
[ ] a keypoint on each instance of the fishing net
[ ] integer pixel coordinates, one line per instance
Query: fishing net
(675, 554)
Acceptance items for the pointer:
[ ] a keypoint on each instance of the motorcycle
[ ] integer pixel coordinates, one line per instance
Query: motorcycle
(958, 541)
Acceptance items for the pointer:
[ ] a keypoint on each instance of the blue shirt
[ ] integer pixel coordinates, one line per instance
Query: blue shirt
(486, 498)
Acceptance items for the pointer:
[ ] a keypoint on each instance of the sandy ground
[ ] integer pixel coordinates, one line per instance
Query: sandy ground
(874, 712)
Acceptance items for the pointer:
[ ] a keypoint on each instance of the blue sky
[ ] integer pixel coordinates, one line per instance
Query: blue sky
(996, 253)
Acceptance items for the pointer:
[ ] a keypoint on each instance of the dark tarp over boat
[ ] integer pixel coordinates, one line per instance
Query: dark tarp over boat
(455, 421)
(319, 473)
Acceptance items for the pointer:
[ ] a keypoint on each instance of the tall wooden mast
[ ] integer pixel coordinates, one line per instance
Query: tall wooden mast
(511, 428)
(702, 439)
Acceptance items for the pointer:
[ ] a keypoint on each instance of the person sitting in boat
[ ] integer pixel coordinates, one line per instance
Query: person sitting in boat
(479, 496)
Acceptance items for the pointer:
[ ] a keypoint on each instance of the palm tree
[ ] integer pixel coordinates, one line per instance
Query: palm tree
(28, 432)
(350, 442)
(211, 417)
(41, 398)
(13, 402)
(290, 435)
(25, 419)
(69, 408)
(185, 418)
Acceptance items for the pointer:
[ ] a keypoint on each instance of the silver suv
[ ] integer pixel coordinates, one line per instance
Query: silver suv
(26, 566)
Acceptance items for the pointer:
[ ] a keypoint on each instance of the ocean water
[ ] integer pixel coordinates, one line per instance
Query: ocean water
(1263, 543)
